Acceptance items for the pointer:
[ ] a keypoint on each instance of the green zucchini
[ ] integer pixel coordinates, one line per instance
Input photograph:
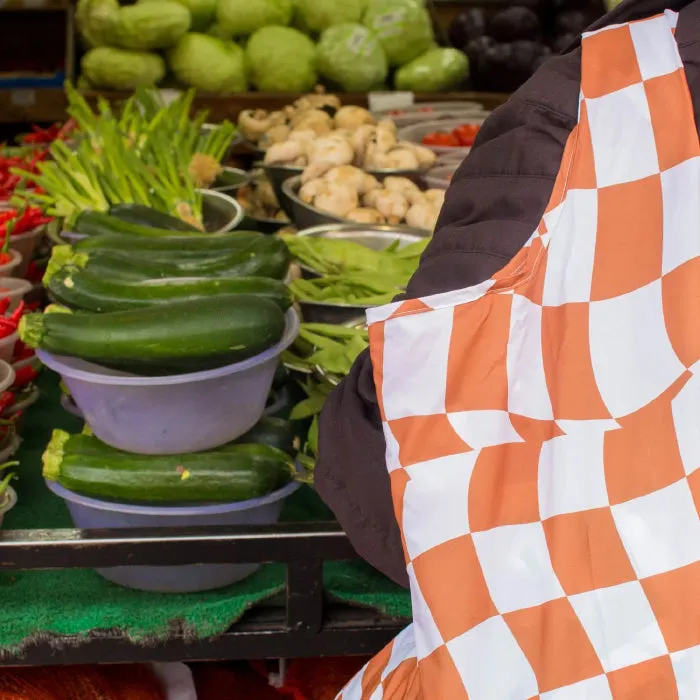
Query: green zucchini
(81, 289)
(258, 259)
(239, 473)
(142, 215)
(97, 223)
(173, 248)
(273, 432)
(183, 336)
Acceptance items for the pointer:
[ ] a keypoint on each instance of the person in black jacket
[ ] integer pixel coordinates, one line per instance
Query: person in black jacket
(495, 201)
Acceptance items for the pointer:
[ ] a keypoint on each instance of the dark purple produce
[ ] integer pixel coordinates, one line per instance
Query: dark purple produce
(562, 42)
(565, 5)
(476, 50)
(467, 25)
(571, 22)
(525, 58)
(515, 23)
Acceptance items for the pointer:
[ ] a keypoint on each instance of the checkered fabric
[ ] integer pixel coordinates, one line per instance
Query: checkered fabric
(543, 428)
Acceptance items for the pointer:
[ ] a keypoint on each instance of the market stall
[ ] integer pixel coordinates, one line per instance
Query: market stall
(114, 502)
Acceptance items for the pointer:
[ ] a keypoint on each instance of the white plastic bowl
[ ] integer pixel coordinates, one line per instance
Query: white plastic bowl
(7, 347)
(89, 513)
(416, 132)
(25, 244)
(17, 289)
(174, 414)
(11, 269)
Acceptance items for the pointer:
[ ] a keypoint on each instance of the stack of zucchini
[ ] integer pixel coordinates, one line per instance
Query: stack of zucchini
(150, 296)
(150, 300)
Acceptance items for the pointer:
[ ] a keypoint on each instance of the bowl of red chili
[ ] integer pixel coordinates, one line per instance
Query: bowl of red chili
(444, 135)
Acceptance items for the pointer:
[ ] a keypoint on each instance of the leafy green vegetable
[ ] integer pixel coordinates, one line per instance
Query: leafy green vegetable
(351, 288)
(119, 69)
(334, 256)
(96, 21)
(243, 17)
(351, 56)
(156, 24)
(209, 64)
(281, 59)
(145, 154)
(201, 11)
(404, 29)
(316, 16)
(434, 71)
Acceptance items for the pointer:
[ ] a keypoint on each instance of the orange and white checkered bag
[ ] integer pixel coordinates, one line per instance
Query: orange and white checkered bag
(543, 428)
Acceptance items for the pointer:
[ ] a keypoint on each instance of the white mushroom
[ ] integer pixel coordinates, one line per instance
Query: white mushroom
(426, 157)
(253, 123)
(315, 170)
(366, 215)
(309, 190)
(436, 197)
(275, 134)
(352, 176)
(317, 100)
(401, 159)
(388, 124)
(282, 153)
(422, 216)
(360, 140)
(385, 137)
(333, 150)
(303, 136)
(316, 120)
(400, 184)
(266, 195)
(392, 205)
(352, 117)
(338, 200)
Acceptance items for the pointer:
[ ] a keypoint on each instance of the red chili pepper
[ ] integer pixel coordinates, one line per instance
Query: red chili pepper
(17, 313)
(7, 398)
(24, 375)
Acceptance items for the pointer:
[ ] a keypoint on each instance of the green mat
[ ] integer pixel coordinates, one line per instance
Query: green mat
(65, 606)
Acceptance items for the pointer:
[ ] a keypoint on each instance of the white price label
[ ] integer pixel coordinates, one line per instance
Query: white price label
(390, 101)
(169, 95)
(23, 98)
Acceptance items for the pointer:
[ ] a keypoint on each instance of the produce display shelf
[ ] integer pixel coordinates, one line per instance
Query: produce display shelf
(49, 104)
(304, 625)
(229, 107)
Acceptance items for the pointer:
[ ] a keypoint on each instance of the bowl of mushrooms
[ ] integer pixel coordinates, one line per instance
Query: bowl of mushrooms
(262, 210)
(317, 131)
(347, 194)
(362, 143)
(260, 128)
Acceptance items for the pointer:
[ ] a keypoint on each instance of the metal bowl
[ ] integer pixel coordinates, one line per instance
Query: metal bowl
(335, 379)
(416, 132)
(377, 237)
(220, 213)
(319, 312)
(235, 139)
(230, 180)
(252, 147)
(279, 174)
(411, 118)
(262, 225)
(305, 216)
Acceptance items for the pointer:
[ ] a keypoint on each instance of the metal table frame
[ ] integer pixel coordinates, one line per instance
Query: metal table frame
(306, 625)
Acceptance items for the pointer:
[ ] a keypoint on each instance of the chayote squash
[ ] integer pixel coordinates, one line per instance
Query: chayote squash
(157, 24)
(96, 21)
(118, 69)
